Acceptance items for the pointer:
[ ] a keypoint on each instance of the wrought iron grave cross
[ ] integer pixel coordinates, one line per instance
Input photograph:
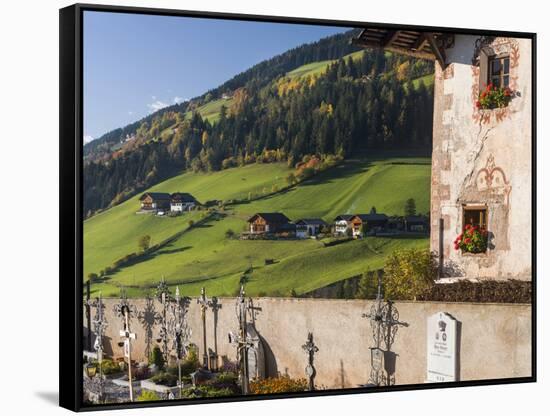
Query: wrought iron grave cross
(215, 305)
(310, 348)
(164, 297)
(242, 340)
(179, 330)
(125, 310)
(203, 302)
(384, 320)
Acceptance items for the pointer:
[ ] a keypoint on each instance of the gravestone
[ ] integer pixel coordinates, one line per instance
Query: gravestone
(442, 337)
(256, 355)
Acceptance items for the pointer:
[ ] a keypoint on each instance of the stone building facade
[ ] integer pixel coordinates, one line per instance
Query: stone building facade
(481, 162)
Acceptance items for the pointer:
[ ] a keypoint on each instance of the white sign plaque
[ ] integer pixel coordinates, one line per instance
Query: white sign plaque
(442, 348)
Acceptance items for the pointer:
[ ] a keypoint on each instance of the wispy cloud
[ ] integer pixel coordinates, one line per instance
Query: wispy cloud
(87, 138)
(130, 113)
(157, 105)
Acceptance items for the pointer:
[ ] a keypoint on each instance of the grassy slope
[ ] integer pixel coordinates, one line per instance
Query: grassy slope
(114, 233)
(203, 256)
(320, 67)
(211, 110)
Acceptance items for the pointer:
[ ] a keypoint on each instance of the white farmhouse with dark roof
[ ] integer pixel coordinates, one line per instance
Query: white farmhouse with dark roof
(182, 201)
(309, 227)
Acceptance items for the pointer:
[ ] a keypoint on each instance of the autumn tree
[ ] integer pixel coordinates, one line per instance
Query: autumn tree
(144, 242)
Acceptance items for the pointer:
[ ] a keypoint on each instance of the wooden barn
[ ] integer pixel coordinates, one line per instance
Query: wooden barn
(155, 201)
(268, 223)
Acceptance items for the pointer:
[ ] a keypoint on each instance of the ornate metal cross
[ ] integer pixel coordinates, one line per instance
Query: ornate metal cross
(163, 295)
(179, 330)
(215, 305)
(149, 317)
(203, 302)
(99, 324)
(242, 340)
(125, 310)
(384, 320)
(310, 348)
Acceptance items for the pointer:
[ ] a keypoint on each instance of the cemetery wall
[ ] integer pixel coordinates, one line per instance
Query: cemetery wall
(494, 342)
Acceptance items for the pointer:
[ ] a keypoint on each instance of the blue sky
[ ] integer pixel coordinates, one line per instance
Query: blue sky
(137, 64)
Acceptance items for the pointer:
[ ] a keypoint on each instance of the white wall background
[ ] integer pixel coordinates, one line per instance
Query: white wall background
(28, 231)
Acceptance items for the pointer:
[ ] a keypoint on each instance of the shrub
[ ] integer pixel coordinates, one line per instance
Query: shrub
(165, 378)
(409, 273)
(157, 358)
(144, 242)
(110, 367)
(140, 373)
(229, 233)
(507, 291)
(93, 277)
(283, 384)
(148, 396)
(206, 391)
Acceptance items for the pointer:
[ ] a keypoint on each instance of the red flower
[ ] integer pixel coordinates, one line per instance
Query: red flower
(468, 240)
(478, 104)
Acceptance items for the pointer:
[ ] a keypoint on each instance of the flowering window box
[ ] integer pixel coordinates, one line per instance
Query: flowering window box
(473, 240)
(494, 97)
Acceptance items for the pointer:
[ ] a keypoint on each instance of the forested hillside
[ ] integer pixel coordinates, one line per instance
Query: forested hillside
(322, 98)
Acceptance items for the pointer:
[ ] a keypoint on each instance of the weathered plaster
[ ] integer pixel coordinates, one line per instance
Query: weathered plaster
(483, 157)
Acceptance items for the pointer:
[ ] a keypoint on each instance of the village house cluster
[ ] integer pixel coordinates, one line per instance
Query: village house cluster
(279, 225)
(161, 202)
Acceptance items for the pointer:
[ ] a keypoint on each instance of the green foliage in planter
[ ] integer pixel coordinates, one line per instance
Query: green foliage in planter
(409, 273)
(188, 365)
(227, 377)
(147, 396)
(206, 391)
(157, 358)
(165, 378)
(110, 367)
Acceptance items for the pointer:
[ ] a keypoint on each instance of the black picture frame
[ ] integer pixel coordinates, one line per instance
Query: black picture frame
(71, 215)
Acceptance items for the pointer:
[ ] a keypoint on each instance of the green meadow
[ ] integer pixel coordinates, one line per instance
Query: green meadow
(205, 256)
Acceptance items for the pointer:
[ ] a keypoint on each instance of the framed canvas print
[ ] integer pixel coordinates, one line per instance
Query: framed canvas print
(256, 207)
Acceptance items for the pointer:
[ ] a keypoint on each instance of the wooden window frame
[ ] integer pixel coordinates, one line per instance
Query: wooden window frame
(502, 76)
(466, 208)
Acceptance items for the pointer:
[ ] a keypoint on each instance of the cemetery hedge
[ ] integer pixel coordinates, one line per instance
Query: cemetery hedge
(489, 291)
